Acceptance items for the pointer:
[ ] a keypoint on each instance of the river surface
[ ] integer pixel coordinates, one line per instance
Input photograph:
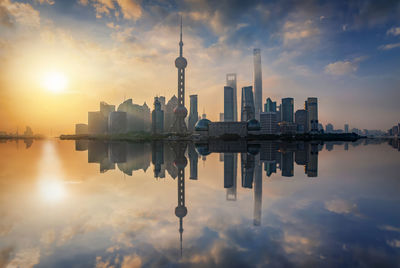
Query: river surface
(97, 204)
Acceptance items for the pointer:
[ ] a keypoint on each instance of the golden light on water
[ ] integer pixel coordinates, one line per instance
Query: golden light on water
(55, 81)
(51, 185)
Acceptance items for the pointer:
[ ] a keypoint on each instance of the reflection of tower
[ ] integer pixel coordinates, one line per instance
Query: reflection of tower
(157, 158)
(257, 193)
(312, 163)
(194, 160)
(180, 112)
(180, 162)
(248, 164)
(230, 175)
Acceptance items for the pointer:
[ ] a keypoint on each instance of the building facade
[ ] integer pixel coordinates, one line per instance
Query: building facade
(301, 121)
(231, 82)
(287, 110)
(270, 106)
(257, 82)
(247, 108)
(268, 122)
(311, 107)
(157, 118)
(228, 103)
(193, 114)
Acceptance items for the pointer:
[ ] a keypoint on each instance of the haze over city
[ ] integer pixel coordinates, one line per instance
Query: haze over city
(59, 59)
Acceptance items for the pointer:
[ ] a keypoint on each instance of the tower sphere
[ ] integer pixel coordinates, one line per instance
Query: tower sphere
(180, 212)
(181, 111)
(180, 62)
(181, 162)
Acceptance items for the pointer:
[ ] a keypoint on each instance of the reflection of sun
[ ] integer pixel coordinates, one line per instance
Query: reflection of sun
(51, 185)
(52, 190)
(55, 82)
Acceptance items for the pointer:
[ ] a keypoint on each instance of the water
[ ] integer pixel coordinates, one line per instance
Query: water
(276, 204)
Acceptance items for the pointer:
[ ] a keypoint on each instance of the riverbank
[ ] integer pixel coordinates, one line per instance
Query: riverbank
(168, 137)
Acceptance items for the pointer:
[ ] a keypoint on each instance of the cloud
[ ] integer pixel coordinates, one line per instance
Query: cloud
(389, 46)
(340, 206)
(343, 67)
(294, 31)
(131, 10)
(23, 14)
(393, 31)
(49, 2)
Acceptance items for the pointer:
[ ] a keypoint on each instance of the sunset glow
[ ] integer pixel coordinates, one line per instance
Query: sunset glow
(55, 82)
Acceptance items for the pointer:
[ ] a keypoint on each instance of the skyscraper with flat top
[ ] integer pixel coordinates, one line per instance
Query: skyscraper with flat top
(257, 82)
(287, 110)
(231, 82)
(311, 106)
(228, 104)
(193, 115)
(247, 109)
(270, 106)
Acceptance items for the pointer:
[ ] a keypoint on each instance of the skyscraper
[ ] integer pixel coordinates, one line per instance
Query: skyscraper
(346, 128)
(247, 109)
(287, 110)
(311, 106)
(257, 82)
(180, 112)
(228, 104)
(301, 120)
(169, 113)
(193, 115)
(157, 118)
(231, 82)
(270, 106)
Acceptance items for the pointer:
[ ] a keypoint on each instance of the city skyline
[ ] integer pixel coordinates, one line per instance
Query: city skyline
(125, 51)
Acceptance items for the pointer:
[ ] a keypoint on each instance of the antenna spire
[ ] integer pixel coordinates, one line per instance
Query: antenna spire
(181, 42)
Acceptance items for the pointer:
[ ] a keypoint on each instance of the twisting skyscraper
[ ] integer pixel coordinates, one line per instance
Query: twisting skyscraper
(180, 111)
(257, 82)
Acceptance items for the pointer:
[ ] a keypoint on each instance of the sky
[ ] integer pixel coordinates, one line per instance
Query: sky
(59, 58)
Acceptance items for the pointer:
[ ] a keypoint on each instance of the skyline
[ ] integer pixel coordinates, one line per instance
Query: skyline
(127, 51)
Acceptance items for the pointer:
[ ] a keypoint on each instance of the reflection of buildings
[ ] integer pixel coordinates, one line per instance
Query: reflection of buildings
(230, 176)
(194, 160)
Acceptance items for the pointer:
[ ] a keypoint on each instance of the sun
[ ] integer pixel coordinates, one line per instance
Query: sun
(55, 82)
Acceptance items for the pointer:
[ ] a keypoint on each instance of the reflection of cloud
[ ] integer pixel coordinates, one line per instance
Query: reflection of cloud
(394, 243)
(26, 258)
(340, 206)
(394, 31)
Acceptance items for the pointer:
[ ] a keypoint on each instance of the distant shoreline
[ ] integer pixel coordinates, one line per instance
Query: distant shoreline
(170, 137)
(22, 137)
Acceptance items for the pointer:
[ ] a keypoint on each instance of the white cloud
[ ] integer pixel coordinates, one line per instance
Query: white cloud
(340, 206)
(295, 31)
(389, 46)
(393, 31)
(343, 67)
(23, 14)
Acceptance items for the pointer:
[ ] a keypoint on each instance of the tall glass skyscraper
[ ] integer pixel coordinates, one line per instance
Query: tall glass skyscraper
(247, 110)
(287, 110)
(231, 82)
(193, 115)
(257, 82)
(228, 104)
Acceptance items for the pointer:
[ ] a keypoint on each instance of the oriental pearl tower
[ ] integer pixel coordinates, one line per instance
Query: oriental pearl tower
(179, 125)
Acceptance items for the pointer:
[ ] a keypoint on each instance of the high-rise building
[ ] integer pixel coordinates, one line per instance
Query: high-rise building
(346, 128)
(193, 114)
(257, 82)
(268, 122)
(279, 113)
(169, 113)
(157, 118)
(221, 117)
(287, 110)
(117, 122)
(247, 109)
(228, 104)
(180, 112)
(329, 128)
(270, 106)
(231, 82)
(301, 120)
(137, 116)
(311, 106)
(98, 121)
